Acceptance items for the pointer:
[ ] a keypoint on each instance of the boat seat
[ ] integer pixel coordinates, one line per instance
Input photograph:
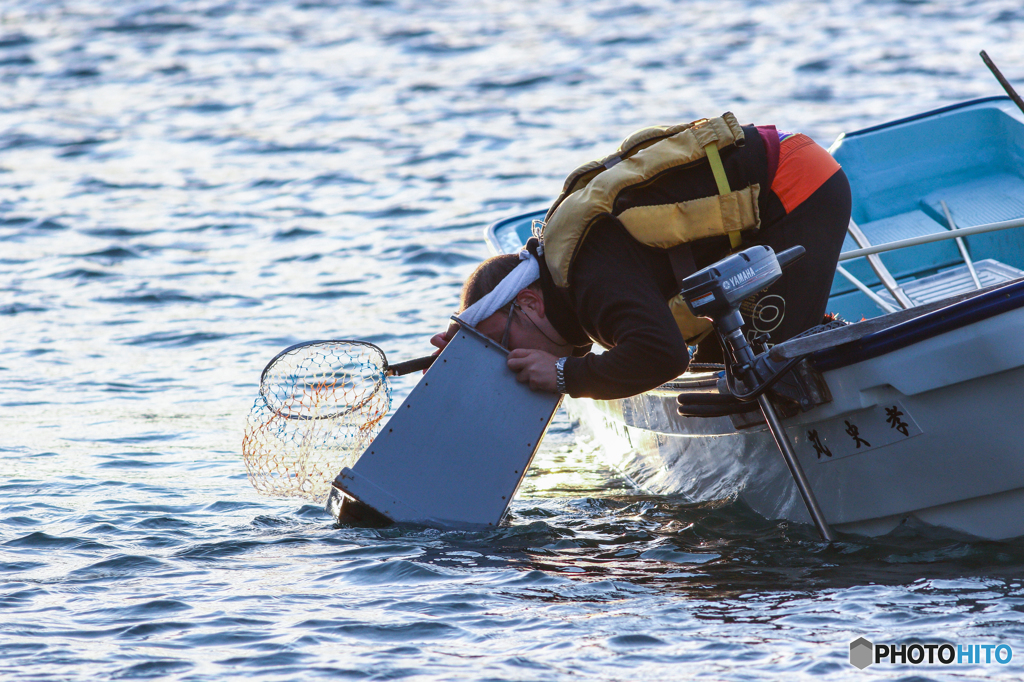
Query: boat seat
(989, 199)
(904, 263)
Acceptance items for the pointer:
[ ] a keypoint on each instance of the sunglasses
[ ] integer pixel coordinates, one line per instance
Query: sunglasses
(508, 324)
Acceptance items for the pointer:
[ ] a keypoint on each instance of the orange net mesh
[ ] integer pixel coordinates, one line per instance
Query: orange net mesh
(319, 406)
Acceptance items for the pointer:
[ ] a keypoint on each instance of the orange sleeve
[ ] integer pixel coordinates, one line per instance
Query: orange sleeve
(804, 166)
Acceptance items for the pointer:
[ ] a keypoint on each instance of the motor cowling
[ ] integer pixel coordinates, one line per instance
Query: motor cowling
(718, 290)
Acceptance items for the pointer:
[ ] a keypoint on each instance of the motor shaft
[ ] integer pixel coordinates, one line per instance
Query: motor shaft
(786, 448)
(745, 357)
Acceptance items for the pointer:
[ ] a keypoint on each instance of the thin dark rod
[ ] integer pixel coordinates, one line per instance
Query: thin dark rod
(1002, 81)
(782, 440)
(410, 366)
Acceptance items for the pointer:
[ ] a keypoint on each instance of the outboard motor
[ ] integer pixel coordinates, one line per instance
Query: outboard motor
(716, 292)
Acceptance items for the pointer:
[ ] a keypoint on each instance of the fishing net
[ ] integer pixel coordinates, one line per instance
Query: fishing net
(320, 404)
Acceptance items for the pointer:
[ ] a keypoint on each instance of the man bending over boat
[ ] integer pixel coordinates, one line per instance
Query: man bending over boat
(627, 229)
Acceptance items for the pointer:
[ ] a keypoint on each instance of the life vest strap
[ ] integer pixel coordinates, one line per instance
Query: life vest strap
(683, 265)
(718, 170)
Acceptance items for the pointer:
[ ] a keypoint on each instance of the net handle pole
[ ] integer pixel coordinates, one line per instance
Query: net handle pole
(410, 366)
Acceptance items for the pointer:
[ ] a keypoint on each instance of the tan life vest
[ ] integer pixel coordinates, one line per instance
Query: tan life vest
(590, 192)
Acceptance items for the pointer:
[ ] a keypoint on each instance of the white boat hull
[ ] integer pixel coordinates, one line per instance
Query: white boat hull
(930, 431)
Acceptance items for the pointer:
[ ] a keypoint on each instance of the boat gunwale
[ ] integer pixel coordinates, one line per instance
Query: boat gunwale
(1001, 299)
(917, 117)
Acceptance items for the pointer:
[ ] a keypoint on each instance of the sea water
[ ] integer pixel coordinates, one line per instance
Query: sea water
(188, 187)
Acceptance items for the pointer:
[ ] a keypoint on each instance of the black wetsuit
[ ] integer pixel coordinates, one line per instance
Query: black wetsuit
(619, 288)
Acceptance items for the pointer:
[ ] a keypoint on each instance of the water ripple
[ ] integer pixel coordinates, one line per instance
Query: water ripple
(186, 190)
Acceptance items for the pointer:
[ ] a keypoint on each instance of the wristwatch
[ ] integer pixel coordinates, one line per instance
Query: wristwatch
(560, 375)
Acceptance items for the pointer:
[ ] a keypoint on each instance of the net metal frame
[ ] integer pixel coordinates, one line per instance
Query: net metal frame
(319, 406)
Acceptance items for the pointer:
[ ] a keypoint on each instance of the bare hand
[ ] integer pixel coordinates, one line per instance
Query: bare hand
(441, 340)
(534, 367)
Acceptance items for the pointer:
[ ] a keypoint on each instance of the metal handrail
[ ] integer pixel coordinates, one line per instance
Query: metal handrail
(962, 246)
(882, 272)
(929, 238)
(875, 298)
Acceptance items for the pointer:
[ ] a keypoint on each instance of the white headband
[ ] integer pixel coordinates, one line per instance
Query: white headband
(524, 274)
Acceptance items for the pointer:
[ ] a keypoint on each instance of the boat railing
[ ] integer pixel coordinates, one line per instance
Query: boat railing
(961, 245)
(895, 290)
(882, 272)
(929, 238)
